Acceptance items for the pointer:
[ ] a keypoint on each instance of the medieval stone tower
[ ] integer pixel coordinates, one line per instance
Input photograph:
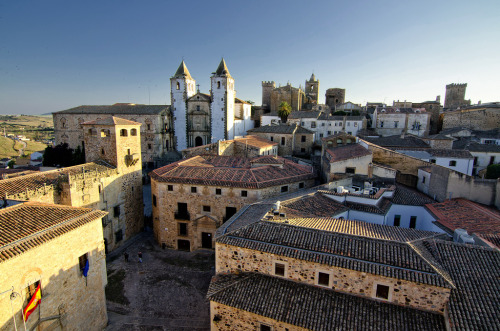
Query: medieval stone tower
(182, 87)
(455, 96)
(222, 106)
(312, 89)
(267, 88)
(334, 97)
(117, 142)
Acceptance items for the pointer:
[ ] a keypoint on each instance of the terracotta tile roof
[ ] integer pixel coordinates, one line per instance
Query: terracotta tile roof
(281, 129)
(381, 257)
(405, 195)
(233, 171)
(315, 308)
(475, 301)
(360, 228)
(347, 152)
(25, 226)
(112, 120)
(493, 239)
(38, 180)
(246, 215)
(117, 109)
(10, 173)
(315, 205)
(461, 213)
(454, 153)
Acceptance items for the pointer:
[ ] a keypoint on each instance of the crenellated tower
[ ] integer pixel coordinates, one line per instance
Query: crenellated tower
(222, 105)
(312, 89)
(182, 87)
(267, 88)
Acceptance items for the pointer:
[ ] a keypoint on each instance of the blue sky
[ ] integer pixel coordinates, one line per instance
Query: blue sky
(56, 55)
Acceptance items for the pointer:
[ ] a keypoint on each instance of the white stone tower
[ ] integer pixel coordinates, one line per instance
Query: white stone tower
(222, 107)
(182, 87)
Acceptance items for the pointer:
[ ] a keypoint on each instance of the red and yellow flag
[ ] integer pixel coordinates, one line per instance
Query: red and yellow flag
(34, 302)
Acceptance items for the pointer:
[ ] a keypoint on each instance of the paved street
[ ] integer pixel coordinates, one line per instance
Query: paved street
(165, 292)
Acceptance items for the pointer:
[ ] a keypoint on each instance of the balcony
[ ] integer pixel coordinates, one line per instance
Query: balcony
(182, 216)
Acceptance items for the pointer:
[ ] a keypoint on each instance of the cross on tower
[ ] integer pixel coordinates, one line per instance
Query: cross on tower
(198, 85)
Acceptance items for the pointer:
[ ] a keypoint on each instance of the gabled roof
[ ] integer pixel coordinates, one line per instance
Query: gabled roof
(346, 152)
(454, 153)
(111, 121)
(200, 96)
(232, 171)
(280, 129)
(117, 109)
(360, 228)
(381, 257)
(304, 114)
(25, 226)
(182, 71)
(315, 308)
(222, 69)
(461, 213)
(397, 142)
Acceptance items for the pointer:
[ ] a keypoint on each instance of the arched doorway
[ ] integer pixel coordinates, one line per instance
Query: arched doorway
(198, 141)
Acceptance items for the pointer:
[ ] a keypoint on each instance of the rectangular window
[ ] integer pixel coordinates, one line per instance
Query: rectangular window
(382, 292)
(433, 161)
(350, 170)
(475, 160)
(218, 191)
(170, 188)
(355, 124)
(82, 261)
(284, 189)
(303, 139)
(30, 290)
(154, 200)
(265, 327)
(206, 209)
(244, 193)
(271, 138)
(423, 180)
(492, 160)
(118, 235)
(329, 133)
(183, 230)
(322, 124)
(313, 125)
(283, 141)
(453, 163)
(321, 135)
(381, 124)
(396, 123)
(193, 189)
(413, 222)
(301, 185)
(279, 269)
(149, 146)
(116, 211)
(397, 220)
(323, 279)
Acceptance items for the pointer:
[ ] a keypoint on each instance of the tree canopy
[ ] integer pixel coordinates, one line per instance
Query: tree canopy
(284, 110)
(63, 156)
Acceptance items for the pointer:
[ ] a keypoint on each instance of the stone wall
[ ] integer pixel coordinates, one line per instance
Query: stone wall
(166, 224)
(292, 95)
(475, 119)
(334, 97)
(159, 135)
(65, 291)
(236, 319)
(405, 293)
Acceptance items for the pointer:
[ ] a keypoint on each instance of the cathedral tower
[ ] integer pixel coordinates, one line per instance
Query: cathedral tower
(267, 88)
(182, 87)
(312, 89)
(222, 106)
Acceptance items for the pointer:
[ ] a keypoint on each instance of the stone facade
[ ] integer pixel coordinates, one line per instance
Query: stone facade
(334, 97)
(156, 127)
(455, 96)
(420, 296)
(390, 121)
(481, 118)
(206, 210)
(250, 146)
(294, 96)
(267, 88)
(65, 291)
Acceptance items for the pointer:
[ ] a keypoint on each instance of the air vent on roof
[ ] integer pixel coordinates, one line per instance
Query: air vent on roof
(458, 233)
(466, 239)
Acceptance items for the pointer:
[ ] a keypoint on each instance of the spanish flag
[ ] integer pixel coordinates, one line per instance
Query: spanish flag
(34, 302)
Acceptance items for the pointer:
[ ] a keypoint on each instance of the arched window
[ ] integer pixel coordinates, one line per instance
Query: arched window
(218, 84)
(63, 123)
(178, 86)
(102, 151)
(104, 133)
(123, 133)
(133, 132)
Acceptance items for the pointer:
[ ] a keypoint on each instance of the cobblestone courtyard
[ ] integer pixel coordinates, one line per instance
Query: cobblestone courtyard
(165, 292)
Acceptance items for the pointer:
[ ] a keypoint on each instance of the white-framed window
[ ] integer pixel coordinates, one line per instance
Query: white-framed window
(382, 291)
(324, 278)
(280, 268)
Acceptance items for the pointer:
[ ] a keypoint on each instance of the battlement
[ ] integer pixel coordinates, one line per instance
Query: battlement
(269, 83)
(456, 85)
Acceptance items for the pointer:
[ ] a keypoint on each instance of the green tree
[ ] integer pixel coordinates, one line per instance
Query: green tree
(62, 156)
(11, 164)
(339, 113)
(284, 110)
